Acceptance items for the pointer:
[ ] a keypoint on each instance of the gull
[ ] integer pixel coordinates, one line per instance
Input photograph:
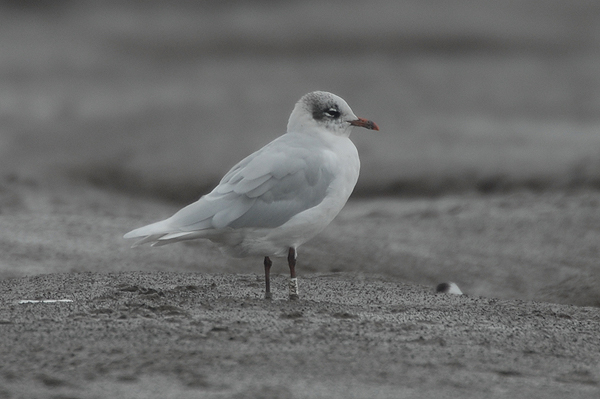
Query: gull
(279, 197)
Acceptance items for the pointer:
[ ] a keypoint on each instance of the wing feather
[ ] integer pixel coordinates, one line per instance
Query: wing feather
(265, 189)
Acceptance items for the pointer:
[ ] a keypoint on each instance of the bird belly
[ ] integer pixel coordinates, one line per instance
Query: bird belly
(243, 242)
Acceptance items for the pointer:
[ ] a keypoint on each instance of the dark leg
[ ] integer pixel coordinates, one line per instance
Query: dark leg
(293, 279)
(292, 262)
(268, 264)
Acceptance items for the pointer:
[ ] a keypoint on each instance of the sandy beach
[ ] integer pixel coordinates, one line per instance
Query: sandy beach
(194, 323)
(181, 335)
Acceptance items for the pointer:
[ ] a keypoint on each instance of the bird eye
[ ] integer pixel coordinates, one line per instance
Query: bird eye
(332, 113)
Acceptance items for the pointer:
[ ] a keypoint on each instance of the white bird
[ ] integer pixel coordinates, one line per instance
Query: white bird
(279, 197)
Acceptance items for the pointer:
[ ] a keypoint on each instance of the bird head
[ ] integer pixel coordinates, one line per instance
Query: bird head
(323, 110)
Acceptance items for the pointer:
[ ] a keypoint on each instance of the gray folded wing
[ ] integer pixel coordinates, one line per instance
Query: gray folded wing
(266, 189)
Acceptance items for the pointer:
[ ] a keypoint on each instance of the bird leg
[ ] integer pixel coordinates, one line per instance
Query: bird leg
(293, 280)
(268, 264)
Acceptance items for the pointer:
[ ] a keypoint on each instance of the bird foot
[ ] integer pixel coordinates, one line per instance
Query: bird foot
(268, 296)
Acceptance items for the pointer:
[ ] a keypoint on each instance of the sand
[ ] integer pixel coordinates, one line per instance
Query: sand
(179, 335)
(187, 327)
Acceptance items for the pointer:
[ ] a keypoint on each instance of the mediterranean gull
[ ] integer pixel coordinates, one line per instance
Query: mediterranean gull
(279, 197)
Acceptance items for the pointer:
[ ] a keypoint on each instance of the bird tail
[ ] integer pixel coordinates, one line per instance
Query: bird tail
(149, 234)
(160, 233)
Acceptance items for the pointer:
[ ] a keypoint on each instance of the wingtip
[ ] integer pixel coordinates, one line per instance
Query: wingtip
(144, 238)
(130, 234)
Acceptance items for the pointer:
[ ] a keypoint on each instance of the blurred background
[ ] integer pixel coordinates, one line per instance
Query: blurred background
(163, 97)
(486, 170)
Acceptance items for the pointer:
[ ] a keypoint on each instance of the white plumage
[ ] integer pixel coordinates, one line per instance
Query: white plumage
(282, 195)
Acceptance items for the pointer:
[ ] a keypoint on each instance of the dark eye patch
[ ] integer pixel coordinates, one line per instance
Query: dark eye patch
(332, 113)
